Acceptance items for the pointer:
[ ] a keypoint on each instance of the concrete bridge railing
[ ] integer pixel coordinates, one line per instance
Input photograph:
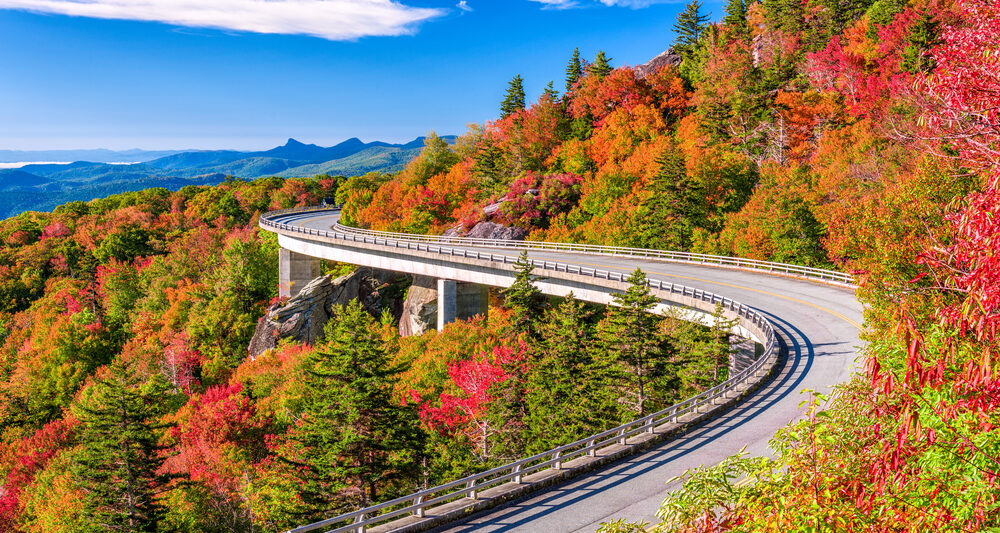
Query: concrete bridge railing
(818, 274)
(464, 494)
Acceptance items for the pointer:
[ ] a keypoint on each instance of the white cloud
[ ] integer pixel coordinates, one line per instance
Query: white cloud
(464, 6)
(557, 4)
(335, 20)
(634, 4)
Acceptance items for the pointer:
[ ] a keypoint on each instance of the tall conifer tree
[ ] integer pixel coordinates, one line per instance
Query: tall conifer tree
(525, 301)
(601, 66)
(689, 27)
(631, 332)
(573, 70)
(514, 100)
(354, 444)
(736, 18)
(564, 391)
(118, 464)
(673, 206)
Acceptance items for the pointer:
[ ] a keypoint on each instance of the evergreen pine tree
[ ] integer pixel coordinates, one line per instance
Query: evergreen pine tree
(120, 456)
(689, 27)
(563, 388)
(550, 92)
(354, 444)
(631, 332)
(573, 70)
(787, 15)
(514, 100)
(703, 354)
(524, 300)
(736, 18)
(490, 168)
(672, 207)
(601, 66)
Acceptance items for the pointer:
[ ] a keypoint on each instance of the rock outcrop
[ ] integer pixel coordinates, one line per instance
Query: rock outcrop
(303, 317)
(492, 230)
(668, 57)
(419, 307)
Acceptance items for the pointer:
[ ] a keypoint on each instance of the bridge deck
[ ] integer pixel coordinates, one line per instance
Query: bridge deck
(817, 323)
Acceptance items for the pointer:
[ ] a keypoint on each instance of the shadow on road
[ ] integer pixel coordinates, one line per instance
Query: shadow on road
(798, 353)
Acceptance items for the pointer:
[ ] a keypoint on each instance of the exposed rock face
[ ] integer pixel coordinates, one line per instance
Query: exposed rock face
(668, 57)
(488, 230)
(303, 317)
(420, 307)
(492, 230)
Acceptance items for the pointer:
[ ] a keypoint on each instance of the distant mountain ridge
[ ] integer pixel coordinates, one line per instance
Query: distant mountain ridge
(100, 155)
(44, 186)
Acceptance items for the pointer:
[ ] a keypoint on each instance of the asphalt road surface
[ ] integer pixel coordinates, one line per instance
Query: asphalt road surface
(818, 325)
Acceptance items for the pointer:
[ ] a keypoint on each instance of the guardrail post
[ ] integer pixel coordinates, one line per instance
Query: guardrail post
(621, 436)
(419, 511)
(473, 493)
(360, 520)
(558, 463)
(517, 474)
(591, 451)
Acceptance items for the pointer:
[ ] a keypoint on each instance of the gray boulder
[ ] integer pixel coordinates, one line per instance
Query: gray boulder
(667, 57)
(419, 307)
(303, 317)
(492, 230)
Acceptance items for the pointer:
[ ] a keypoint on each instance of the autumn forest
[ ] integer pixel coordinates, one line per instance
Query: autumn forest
(855, 135)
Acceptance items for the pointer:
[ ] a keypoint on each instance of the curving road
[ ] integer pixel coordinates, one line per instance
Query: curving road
(818, 325)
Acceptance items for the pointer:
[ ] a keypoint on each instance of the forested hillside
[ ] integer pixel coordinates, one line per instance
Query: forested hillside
(856, 135)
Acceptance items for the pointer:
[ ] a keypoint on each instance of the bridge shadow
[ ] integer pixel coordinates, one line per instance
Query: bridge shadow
(797, 354)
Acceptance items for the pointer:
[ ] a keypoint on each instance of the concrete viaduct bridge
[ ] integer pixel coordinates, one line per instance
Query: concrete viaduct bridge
(807, 321)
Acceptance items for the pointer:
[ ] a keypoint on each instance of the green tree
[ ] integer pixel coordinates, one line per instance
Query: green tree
(630, 331)
(354, 443)
(514, 100)
(550, 92)
(124, 245)
(565, 387)
(702, 354)
(436, 157)
(689, 27)
(673, 205)
(736, 18)
(787, 15)
(573, 70)
(119, 460)
(524, 299)
(601, 66)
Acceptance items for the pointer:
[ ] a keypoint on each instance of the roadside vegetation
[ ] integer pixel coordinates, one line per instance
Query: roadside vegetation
(859, 135)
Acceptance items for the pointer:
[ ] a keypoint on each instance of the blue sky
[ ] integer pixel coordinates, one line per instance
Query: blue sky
(247, 74)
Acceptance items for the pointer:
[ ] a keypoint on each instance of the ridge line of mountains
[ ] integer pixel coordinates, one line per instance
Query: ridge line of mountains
(41, 187)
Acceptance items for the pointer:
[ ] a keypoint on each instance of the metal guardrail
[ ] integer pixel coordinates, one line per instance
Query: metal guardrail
(664, 255)
(469, 486)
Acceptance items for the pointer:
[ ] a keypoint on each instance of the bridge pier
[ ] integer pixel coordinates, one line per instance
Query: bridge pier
(295, 271)
(458, 300)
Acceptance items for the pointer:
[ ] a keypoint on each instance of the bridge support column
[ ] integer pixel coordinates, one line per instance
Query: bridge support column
(295, 271)
(460, 301)
(447, 302)
(742, 353)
